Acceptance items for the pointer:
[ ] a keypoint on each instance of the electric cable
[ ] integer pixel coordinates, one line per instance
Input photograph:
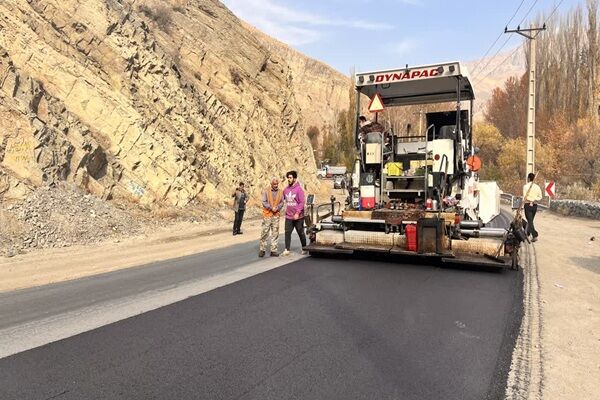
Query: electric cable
(499, 36)
(504, 44)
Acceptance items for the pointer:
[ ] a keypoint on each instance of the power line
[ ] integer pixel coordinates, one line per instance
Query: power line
(479, 80)
(504, 44)
(499, 36)
(553, 11)
(515, 13)
(491, 58)
(528, 11)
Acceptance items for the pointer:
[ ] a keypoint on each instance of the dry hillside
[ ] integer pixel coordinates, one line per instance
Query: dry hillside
(150, 101)
(321, 91)
(491, 72)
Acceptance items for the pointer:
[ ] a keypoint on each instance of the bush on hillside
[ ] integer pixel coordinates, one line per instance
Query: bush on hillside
(161, 15)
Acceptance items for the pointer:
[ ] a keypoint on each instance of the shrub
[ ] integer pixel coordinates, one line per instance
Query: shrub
(162, 16)
(313, 136)
(236, 78)
(577, 191)
(147, 11)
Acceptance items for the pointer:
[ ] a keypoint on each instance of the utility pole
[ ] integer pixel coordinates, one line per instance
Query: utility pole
(530, 34)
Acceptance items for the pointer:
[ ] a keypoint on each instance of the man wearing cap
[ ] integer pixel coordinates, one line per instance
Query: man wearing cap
(272, 203)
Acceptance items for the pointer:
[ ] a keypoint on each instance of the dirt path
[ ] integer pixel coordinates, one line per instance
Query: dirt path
(558, 351)
(57, 265)
(569, 265)
(41, 267)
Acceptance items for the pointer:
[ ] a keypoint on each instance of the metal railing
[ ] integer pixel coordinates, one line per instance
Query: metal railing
(515, 201)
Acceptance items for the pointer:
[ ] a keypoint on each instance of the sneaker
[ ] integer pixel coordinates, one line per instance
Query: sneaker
(261, 253)
(304, 252)
(286, 252)
(234, 233)
(534, 239)
(240, 232)
(274, 254)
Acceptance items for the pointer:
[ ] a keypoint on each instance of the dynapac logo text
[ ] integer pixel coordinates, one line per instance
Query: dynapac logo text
(399, 76)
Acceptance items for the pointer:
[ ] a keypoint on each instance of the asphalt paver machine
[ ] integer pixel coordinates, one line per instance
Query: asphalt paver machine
(417, 194)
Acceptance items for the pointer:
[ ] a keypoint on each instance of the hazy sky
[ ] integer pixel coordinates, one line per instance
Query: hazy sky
(369, 34)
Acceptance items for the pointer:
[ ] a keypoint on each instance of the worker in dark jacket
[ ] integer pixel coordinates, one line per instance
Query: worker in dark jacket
(366, 127)
(239, 207)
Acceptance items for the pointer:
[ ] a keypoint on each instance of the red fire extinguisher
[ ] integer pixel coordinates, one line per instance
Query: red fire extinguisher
(411, 237)
(428, 204)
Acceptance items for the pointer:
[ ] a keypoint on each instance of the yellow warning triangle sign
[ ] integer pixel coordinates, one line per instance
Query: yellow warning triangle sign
(376, 104)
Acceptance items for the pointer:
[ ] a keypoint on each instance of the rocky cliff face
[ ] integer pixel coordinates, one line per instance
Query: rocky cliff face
(321, 91)
(150, 101)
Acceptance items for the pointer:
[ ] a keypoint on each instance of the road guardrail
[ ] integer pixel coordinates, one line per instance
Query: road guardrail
(515, 201)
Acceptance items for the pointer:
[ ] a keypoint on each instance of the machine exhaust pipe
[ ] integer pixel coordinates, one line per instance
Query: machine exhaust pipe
(332, 227)
(470, 224)
(483, 232)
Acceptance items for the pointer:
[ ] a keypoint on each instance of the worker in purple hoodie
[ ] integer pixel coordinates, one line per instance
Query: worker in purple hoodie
(294, 212)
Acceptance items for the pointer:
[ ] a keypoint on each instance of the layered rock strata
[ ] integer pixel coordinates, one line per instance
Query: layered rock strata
(150, 101)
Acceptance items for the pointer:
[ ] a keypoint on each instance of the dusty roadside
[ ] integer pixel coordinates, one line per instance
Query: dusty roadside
(558, 352)
(569, 264)
(56, 265)
(156, 243)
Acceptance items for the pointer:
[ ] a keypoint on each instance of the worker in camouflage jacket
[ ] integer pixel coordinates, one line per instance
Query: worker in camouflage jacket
(272, 202)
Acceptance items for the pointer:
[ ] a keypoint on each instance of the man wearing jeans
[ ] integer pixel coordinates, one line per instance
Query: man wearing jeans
(294, 212)
(531, 195)
(239, 207)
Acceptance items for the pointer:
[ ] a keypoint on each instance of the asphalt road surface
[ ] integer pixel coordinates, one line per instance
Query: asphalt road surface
(311, 329)
(36, 316)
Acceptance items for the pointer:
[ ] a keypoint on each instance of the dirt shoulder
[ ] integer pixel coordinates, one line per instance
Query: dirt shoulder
(46, 266)
(147, 243)
(569, 277)
(557, 353)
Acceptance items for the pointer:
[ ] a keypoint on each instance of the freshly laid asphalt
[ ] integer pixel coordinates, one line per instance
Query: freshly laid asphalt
(312, 329)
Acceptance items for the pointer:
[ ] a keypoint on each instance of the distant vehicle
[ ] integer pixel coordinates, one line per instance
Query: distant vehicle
(339, 182)
(329, 171)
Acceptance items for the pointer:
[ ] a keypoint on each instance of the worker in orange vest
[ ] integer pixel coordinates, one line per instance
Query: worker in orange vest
(272, 202)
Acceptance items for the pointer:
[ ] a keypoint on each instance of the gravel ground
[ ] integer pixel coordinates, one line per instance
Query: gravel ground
(65, 216)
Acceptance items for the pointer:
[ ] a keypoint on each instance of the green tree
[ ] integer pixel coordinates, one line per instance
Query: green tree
(507, 108)
(582, 152)
(511, 163)
(489, 141)
(339, 147)
(330, 148)
(313, 135)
